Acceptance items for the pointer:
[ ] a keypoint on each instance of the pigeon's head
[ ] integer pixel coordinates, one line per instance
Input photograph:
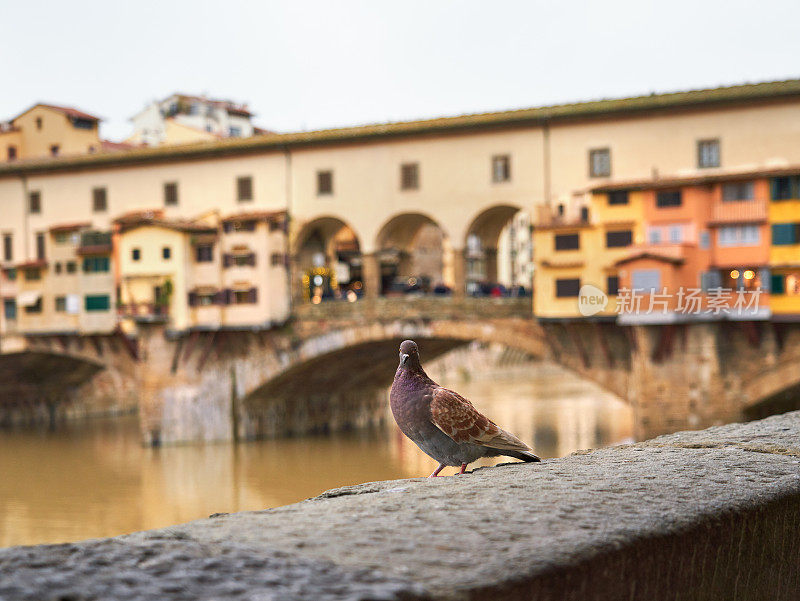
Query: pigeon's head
(408, 349)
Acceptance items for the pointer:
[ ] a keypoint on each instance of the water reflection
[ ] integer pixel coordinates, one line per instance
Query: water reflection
(96, 479)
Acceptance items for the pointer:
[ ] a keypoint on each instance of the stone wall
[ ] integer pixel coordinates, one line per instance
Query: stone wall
(711, 515)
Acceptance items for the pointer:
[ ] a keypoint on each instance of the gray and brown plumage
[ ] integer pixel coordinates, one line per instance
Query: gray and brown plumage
(444, 424)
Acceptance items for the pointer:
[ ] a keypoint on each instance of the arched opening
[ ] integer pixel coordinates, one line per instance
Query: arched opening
(414, 256)
(327, 261)
(499, 252)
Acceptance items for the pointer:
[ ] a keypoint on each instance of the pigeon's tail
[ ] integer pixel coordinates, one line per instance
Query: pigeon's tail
(526, 456)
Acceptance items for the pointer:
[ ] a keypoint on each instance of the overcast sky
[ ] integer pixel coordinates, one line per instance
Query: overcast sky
(306, 65)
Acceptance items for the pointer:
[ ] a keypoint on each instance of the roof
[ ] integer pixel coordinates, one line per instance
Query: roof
(255, 216)
(654, 254)
(662, 183)
(67, 110)
(529, 117)
(132, 221)
(70, 227)
(228, 105)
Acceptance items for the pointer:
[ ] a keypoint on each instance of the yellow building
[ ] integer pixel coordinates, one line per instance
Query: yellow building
(206, 273)
(47, 130)
(784, 259)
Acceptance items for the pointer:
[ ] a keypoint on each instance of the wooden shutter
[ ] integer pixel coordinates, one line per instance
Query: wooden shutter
(227, 260)
(253, 294)
(251, 259)
(192, 299)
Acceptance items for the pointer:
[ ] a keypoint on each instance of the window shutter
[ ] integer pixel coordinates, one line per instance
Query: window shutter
(192, 299)
(253, 295)
(219, 297)
(251, 259)
(228, 296)
(227, 260)
(777, 284)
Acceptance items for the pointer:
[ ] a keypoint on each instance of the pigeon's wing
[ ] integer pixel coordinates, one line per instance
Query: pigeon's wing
(455, 416)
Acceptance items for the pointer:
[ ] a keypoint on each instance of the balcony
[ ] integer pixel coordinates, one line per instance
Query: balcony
(752, 211)
(145, 312)
(95, 243)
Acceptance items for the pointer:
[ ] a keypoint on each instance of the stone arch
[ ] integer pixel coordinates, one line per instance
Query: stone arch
(775, 390)
(326, 249)
(339, 377)
(482, 239)
(415, 246)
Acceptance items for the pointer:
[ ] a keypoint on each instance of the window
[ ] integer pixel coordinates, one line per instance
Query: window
(707, 153)
(97, 302)
(560, 209)
(35, 307)
(54, 150)
(62, 237)
(619, 238)
(99, 200)
(244, 188)
(171, 194)
(654, 235)
(709, 280)
(239, 226)
(646, 280)
(784, 234)
(676, 234)
(785, 284)
(166, 253)
(38, 123)
(11, 273)
(612, 285)
(61, 304)
(501, 168)
(33, 274)
(136, 254)
(785, 188)
(240, 260)
(671, 198)
(10, 308)
(204, 253)
(241, 297)
(8, 247)
(600, 162)
(409, 176)
(35, 202)
(58, 267)
(83, 123)
(96, 265)
(234, 132)
(12, 153)
(737, 191)
(705, 239)
(40, 246)
(566, 288)
(618, 197)
(739, 235)
(567, 241)
(585, 214)
(278, 259)
(72, 267)
(324, 182)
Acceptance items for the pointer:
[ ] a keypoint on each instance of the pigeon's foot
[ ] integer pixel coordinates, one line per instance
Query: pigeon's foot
(463, 468)
(437, 470)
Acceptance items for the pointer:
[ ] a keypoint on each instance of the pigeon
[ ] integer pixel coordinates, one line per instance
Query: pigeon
(444, 424)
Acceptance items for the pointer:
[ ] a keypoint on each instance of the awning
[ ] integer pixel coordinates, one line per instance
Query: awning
(28, 298)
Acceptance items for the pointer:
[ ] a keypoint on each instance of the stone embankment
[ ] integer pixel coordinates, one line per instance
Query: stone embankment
(706, 515)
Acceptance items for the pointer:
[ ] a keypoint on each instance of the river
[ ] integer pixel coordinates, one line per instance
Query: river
(94, 479)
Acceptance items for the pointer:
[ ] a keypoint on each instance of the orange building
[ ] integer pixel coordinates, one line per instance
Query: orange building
(706, 250)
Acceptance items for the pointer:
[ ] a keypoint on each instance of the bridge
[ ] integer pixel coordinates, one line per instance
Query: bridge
(329, 367)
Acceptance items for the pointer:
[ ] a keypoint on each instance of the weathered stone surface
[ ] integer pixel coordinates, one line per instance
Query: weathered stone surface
(696, 515)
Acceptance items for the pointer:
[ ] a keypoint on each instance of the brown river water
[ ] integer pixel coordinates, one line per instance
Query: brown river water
(94, 479)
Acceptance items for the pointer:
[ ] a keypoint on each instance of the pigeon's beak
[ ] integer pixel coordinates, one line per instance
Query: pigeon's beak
(403, 358)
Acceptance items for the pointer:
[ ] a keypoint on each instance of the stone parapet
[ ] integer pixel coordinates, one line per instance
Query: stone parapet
(706, 515)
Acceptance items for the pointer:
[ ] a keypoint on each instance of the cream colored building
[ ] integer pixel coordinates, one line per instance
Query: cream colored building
(47, 130)
(373, 188)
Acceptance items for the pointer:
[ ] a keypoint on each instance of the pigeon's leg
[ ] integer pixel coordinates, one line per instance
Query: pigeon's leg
(437, 470)
(463, 468)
